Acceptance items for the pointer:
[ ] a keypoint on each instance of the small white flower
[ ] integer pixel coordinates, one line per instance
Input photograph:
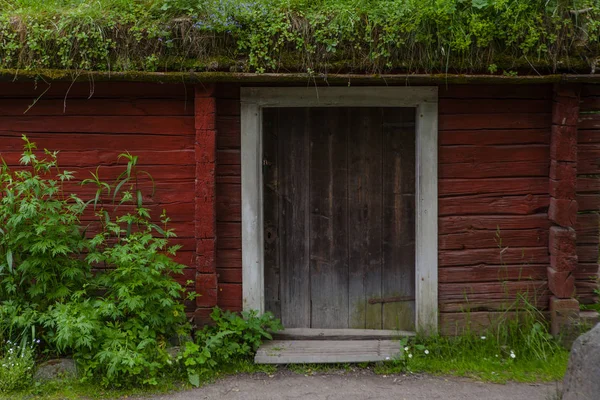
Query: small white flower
(409, 355)
(406, 348)
(483, 338)
(387, 358)
(426, 351)
(512, 354)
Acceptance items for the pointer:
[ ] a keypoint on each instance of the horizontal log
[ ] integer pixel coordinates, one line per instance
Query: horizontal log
(505, 205)
(494, 137)
(230, 295)
(491, 290)
(490, 106)
(589, 121)
(229, 258)
(500, 186)
(163, 125)
(540, 302)
(494, 121)
(588, 254)
(228, 91)
(534, 91)
(177, 212)
(229, 157)
(482, 154)
(96, 107)
(588, 136)
(459, 224)
(589, 90)
(229, 229)
(588, 202)
(93, 158)
(228, 180)
(228, 170)
(226, 211)
(588, 159)
(529, 255)
(225, 243)
(452, 324)
(492, 273)
(483, 169)
(228, 107)
(588, 228)
(487, 239)
(587, 184)
(229, 275)
(229, 202)
(11, 141)
(184, 229)
(587, 271)
(229, 132)
(99, 90)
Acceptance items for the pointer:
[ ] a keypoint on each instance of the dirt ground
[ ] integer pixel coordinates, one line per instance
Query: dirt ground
(361, 385)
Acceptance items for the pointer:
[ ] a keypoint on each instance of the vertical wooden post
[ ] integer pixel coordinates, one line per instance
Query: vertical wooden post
(563, 208)
(205, 212)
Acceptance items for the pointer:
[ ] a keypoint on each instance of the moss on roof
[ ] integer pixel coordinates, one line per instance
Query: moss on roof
(313, 36)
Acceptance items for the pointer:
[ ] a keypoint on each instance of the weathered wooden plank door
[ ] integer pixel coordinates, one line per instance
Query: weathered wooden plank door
(339, 216)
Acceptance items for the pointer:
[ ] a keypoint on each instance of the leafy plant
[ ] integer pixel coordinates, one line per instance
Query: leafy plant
(232, 338)
(120, 325)
(16, 365)
(41, 241)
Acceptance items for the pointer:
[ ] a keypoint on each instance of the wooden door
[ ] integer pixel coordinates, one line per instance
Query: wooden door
(339, 216)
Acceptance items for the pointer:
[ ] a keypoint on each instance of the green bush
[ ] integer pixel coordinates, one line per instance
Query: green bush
(232, 338)
(41, 241)
(117, 322)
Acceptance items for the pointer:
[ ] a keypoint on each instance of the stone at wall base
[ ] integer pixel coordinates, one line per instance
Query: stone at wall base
(582, 378)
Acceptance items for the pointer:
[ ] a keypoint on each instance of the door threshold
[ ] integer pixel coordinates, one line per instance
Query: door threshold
(339, 334)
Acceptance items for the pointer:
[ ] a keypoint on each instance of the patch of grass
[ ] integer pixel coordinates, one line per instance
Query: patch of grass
(486, 359)
(519, 348)
(74, 388)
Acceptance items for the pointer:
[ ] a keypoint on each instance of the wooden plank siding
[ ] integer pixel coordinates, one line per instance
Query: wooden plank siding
(493, 199)
(588, 194)
(91, 124)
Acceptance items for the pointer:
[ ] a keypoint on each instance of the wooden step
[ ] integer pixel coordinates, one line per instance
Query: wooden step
(339, 334)
(326, 351)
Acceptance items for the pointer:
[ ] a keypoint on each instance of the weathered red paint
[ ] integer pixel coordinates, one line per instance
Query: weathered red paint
(205, 198)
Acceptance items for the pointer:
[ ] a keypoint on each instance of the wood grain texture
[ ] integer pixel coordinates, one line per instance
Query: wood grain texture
(398, 221)
(326, 351)
(365, 217)
(329, 218)
(295, 223)
(271, 211)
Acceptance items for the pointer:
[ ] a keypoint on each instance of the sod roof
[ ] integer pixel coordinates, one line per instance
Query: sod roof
(504, 38)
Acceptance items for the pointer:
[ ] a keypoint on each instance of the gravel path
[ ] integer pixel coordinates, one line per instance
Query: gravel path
(361, 385)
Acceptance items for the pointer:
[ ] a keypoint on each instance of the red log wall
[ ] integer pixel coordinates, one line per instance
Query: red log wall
(91, 124)
(588, 194)
(494, 168)
(493, 199)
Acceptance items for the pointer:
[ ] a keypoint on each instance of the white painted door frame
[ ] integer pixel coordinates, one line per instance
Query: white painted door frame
(424, 100)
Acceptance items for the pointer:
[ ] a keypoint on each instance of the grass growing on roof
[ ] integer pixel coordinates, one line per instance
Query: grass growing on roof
(494, 36)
